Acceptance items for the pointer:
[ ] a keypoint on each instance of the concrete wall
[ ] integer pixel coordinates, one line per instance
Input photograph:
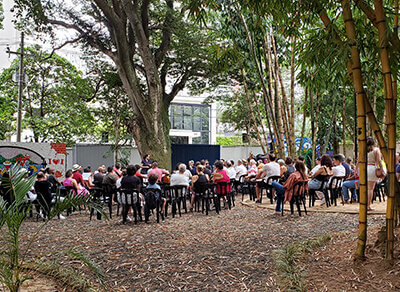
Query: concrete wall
(239, 152)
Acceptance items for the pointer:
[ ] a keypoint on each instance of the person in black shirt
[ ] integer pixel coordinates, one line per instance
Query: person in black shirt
(51, 178)
(42, 189)
(130, 182)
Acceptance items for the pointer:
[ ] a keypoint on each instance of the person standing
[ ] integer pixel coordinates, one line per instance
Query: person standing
(374, 160)
(146, 164)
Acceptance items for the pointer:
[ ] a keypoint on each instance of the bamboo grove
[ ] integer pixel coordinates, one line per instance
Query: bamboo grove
(344, 54)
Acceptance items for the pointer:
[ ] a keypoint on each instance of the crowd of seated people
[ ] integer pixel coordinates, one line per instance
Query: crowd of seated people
(195, 176)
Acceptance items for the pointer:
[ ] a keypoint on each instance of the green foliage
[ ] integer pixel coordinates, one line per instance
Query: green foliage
(291, 276)
(14, 260)
(54, 98)
(229, 141)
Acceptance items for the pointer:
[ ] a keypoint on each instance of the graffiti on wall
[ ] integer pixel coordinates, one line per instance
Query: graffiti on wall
(33, 157)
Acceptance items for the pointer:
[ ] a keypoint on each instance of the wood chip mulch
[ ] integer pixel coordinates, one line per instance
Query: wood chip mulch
(333, 268)
(227, 252)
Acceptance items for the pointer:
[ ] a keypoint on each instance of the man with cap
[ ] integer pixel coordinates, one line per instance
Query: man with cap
(76, 174)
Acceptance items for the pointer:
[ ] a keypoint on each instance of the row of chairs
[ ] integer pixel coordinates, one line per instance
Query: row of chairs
(176, 197)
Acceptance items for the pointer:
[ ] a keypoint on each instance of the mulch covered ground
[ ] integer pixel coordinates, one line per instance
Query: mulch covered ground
(226, 252)
(333, 268)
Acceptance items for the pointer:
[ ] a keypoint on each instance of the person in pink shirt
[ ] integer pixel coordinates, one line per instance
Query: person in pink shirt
(220, 175)
(158, 171)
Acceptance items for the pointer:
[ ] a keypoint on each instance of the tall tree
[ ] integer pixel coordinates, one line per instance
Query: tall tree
(155, 50)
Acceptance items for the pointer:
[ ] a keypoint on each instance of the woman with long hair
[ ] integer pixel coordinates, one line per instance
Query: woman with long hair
(374, 160)
(285, 191)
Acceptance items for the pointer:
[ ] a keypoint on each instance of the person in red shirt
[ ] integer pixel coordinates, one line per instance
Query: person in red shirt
(77, 176)
(158, 171)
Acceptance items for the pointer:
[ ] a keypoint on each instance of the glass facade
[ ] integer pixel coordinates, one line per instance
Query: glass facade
(194, 117)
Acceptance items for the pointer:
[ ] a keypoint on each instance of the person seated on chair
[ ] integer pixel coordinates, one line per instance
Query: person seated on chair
(44, 197)
(180, 178)
(230, 169)
(198, 184)
(70, 182)
(240, 170)
(271, 168)
(220, 175)
(124, 173)
(253, 171)
(51, 178)
(158, 171)
(77, 174)
(285, 191)
(316, 167)
(282, 166)
(98, 177)
(153, 178)
(320, 175)
(338, 169)
(290, 168)
(350, 184)
(87, 178)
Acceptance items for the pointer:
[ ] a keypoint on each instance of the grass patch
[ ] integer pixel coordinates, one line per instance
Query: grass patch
(290, 275)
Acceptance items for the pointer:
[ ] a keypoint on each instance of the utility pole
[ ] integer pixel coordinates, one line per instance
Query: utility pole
(21, 82)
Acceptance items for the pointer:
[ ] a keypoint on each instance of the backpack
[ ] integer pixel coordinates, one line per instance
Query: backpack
(151, 199)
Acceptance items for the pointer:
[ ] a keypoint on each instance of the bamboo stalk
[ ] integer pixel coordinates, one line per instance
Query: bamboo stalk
(292, 84)
(281, 103)
(303, 126)
(390, 110)
(267, 99)
(361, 120)
(246, 90)
(277, 132)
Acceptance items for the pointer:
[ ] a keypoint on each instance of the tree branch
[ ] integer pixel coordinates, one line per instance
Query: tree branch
(178, 86)
(144, 14)
(91, 39)
(370, 13)
(166, 34)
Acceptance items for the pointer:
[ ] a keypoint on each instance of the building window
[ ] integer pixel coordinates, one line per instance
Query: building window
(191, 117)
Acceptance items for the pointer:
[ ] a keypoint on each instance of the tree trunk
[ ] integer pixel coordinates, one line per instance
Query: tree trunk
(279, 134)
(292, 73)
(251, 111)
(314, 124)
(283, 104)
(260, 121)
(303, 127)
(361, 120)
(117, 137)
(267, 99)
(390, 110)
(343, 122)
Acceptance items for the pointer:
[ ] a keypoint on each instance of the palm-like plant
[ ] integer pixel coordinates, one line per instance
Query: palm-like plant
(13, 258)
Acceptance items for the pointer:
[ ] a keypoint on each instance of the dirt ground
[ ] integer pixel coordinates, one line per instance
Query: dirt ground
(333, 268)
(227, 252)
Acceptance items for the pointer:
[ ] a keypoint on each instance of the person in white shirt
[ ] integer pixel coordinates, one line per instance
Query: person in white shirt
(240, 170)
(179, 178)
(271, 168)
(230, 170)
(316, 167)
(338, 169)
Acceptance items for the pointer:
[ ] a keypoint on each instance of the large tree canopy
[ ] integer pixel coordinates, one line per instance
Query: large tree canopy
(155, 49)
